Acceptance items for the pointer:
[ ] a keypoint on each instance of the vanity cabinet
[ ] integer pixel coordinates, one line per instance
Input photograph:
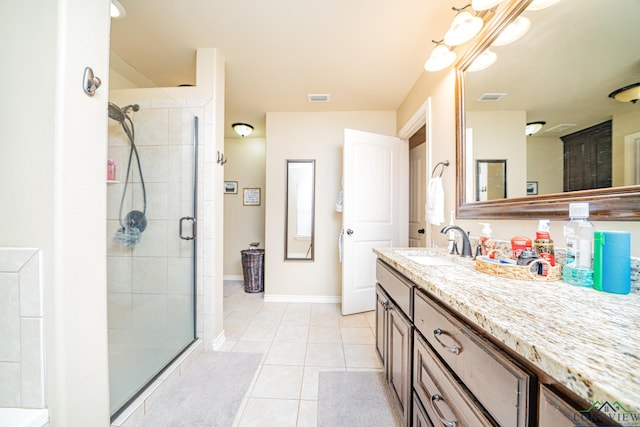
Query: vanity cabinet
(394, 335)
(554, 411)
(501, 387)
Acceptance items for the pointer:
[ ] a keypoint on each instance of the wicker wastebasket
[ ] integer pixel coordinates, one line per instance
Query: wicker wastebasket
(253, 270)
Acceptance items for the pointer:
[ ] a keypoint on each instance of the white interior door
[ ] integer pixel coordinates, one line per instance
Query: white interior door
(417, 196)
(375, 211)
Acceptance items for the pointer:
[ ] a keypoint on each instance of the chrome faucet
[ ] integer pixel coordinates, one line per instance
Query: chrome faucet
(466, 244)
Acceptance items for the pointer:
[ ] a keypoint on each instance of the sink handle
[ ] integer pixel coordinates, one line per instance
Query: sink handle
(437, 398)
(456, 349)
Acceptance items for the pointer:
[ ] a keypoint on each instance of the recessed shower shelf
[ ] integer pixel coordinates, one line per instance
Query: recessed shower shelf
(111, 181)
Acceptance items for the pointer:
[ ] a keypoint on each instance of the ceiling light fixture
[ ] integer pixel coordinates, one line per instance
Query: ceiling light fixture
(484, 60)
(441, 57)
(513, 31)
(541, 4)
(484, 4)
(242, 129)
(117, 10)
(533, 127)
(629, 93)
(464, 27)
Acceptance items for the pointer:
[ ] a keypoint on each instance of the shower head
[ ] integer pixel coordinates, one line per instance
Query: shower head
(116, 113)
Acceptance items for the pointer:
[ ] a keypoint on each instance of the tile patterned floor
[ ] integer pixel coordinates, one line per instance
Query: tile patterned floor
(298, 341)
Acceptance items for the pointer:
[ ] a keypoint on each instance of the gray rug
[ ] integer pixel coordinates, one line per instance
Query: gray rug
(208, 394)
(353, 399)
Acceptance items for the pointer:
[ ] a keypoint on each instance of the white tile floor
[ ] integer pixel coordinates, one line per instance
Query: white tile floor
(298, 341)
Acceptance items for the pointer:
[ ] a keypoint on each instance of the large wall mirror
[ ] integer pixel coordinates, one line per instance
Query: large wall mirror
(299, 220)
(561, 73)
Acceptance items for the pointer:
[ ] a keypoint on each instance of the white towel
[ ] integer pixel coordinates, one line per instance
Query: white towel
(435, 202)
(339, 202)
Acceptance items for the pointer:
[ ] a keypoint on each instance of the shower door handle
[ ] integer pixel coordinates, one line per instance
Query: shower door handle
(193, 227)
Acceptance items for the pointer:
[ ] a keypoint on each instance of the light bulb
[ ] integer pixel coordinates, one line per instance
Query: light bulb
(463, 28)
(441, 57)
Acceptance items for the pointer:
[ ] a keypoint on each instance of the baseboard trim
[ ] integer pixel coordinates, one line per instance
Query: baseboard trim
(219, 341)
(232, 277)
(318, 299)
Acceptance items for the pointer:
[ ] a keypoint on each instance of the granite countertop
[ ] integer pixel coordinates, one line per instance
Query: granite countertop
(585, 339)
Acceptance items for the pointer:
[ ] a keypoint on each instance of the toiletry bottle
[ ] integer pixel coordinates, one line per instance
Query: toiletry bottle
(111, 170)
(486, 240)
(519, 244)
(451, 236)
(578, 234)
(544, 248)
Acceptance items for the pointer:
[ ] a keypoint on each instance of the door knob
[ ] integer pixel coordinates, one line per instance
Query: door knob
(421, 231)
(349, 231)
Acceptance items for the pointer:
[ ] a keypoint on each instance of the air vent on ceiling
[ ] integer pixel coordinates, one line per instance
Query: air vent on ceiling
(561, 127)
(491, 96)
(318, 97)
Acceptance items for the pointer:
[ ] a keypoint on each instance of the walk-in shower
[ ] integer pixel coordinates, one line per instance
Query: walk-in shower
(135, 222)
(151, 260)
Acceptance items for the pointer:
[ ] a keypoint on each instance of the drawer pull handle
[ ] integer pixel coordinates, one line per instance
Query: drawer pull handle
(456, 349)
(437, 398)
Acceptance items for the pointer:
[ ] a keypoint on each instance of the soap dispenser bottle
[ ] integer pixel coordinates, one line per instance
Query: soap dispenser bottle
(486, 240)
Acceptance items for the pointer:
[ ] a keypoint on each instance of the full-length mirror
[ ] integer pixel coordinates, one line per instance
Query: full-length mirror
(559, 74)
(299, 222)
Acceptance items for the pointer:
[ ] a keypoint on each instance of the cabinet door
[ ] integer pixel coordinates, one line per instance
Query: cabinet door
(399, 360)
(382, 303)
(556, 412)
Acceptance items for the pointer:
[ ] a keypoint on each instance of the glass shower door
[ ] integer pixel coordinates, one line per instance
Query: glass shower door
(151, 298)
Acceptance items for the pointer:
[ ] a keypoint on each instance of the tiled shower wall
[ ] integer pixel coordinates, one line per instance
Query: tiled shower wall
(22, 326)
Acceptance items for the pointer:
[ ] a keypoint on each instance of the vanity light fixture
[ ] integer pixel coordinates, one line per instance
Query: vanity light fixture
(464, 27)
(629, 93)
(480, 5)
(513, 31)
(441, 57)
(541, 4)
(242, 129)
(117, 10)
(484, 60)
(533, 127)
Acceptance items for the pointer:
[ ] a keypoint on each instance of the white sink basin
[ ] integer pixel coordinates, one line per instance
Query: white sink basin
(428, 260)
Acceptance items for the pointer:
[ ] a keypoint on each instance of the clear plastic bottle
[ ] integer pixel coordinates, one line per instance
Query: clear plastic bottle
(578, 269)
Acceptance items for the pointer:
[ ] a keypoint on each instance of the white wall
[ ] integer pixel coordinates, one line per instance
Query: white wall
(52, 170)
(243, 224)
(316, 136)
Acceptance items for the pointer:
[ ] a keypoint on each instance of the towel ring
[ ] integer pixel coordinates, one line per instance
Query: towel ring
(443, 164)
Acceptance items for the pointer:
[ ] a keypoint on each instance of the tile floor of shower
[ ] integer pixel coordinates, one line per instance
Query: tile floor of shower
(298, 340)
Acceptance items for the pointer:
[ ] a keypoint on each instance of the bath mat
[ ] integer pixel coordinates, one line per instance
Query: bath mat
(208, 394)
(355, 399)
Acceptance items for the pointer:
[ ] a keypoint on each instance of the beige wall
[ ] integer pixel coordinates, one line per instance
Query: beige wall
(545, 163)
(316, 136)
(440, 89)
(243, 224)
(509, 144)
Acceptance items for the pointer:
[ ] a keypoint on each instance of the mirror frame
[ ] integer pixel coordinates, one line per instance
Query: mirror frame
(312, 253)
(608, 204)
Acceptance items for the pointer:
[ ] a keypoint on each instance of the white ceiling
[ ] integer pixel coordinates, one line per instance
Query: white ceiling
(366, 53)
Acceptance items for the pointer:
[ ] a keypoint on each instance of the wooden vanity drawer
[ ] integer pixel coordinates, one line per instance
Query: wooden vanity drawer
(397, 287)
(446, 402)
(499, 384)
